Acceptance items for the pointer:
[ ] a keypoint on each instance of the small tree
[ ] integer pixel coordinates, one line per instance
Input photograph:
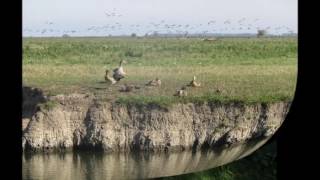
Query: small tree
(65, 35)
(261, 33)
(186, 34)
(155, 34)
(133, 35)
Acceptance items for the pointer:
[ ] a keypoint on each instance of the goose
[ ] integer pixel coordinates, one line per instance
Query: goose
(128, 88)
(119, 73)
(108, 78)
(154, 82)
(193, 83)
(181, 92)
(218, 90)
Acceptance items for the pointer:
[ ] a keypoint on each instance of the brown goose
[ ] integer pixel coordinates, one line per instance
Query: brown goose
(193, 83)
(181, 92)
(154, 82)
(218, 90)
(128, 88)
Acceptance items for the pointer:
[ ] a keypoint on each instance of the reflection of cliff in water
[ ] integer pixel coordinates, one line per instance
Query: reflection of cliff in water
(88, 165)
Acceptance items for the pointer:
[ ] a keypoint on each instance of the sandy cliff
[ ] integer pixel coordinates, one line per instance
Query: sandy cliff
(80, 121)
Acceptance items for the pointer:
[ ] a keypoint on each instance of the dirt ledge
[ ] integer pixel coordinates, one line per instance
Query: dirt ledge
(80, 121)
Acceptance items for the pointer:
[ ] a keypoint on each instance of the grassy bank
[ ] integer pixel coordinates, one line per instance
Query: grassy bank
(245, 69)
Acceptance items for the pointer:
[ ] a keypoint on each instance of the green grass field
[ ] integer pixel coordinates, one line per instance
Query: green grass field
(245, 69)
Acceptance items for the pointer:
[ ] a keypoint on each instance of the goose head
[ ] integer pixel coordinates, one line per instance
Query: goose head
(123, 62)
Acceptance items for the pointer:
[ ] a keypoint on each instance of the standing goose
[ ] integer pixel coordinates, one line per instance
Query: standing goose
(119, 73)
(108, 78)
(193, 83)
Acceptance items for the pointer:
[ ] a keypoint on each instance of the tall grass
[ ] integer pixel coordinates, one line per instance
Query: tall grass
(169, 51)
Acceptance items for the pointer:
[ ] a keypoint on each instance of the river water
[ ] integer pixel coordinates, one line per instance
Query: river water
(100, 166)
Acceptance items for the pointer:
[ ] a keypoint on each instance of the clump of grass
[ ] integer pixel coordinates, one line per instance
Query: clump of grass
(167, 101)
(139, 101)
(48, 105)
(131, 53)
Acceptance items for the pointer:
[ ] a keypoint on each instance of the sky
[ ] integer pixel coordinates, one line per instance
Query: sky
(123, 17)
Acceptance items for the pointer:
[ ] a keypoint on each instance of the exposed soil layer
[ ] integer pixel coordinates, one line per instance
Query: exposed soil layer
(81, 121)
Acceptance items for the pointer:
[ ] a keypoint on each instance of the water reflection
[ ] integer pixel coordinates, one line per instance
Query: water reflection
(92, 166)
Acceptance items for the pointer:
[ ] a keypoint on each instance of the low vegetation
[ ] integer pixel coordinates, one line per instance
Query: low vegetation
(244, 69)
(48, 105)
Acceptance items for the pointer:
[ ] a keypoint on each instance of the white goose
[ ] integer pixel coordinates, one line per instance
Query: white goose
(119, 73)
(108, 78)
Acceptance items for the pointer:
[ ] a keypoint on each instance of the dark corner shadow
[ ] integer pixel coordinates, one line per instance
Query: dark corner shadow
(30, 99)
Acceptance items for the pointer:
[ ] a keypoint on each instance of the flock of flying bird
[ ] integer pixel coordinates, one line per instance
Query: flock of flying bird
(118, 74)
(114, 26)
(152, 28)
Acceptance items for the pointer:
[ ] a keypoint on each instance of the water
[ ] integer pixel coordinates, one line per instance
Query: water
(92, 166)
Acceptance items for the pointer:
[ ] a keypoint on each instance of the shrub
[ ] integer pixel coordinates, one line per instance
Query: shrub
(131, 53)
(261, 33)
(65, 36)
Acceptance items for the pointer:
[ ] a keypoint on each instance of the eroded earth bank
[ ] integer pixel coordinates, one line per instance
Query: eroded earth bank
(81, 121)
